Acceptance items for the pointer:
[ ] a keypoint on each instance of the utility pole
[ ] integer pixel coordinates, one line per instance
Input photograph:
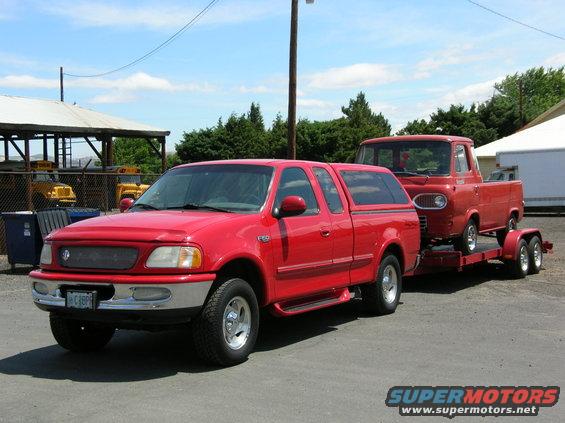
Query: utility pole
(61, 83)
(292, 79)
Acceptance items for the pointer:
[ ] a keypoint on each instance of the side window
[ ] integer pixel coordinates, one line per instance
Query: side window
(395, 188)
(461, 163)
(329, 189)
(369, 188)
(511, 177)
(295, 182)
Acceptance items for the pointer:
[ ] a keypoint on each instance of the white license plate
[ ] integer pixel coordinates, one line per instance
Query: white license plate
(80, 299)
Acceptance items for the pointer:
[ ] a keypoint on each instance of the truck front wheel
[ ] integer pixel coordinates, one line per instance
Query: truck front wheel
(78, 336)
(383, 295)
(467, 243)
(226, 330)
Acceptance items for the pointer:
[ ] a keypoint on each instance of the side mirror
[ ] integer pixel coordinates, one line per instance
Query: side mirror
(125, 204)
(293, 205)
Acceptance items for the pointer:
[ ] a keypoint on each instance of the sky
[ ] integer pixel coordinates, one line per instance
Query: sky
(409, 57)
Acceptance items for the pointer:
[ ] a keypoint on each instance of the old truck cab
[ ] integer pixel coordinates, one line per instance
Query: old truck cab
(442, 176)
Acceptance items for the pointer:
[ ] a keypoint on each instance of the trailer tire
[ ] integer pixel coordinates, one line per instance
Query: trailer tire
(233, 302)
(467, 242)
(383, 295)
(78, 336)
(520, 267)
(511, 225)
(535, 252)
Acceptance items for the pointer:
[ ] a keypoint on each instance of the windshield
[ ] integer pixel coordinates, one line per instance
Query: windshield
(234, 188)
(129, 179)
(408, 157)
(45, 177)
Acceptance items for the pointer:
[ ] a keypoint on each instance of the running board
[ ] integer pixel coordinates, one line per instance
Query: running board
(310, 303)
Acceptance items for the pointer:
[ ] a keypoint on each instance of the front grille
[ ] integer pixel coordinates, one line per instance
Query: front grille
(426, 201)
(423, 223)
(111, 258)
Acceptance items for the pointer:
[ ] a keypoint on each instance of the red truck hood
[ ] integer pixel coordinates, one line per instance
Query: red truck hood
(147, 226)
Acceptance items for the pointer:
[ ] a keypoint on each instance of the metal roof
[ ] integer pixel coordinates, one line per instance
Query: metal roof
(52, 116)
(543, 136)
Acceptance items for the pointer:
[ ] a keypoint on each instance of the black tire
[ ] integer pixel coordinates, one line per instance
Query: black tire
(208, 328)
(520, 267)
(511, 225)
(464, 243)
(78, 336)
(375, 300)
(535, 252)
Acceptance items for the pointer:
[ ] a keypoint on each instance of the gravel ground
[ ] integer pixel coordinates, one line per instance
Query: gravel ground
(471, 328)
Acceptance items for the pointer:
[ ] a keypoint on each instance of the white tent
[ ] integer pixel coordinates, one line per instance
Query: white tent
(546, 135)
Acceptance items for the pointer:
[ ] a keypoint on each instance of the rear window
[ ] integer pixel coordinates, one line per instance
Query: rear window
(368, 188)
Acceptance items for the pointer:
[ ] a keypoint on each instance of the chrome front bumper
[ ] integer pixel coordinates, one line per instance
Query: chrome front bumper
(180, 295)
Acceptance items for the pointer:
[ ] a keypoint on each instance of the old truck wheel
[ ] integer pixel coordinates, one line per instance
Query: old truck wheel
(226, 330)
(467, 243)
(78, 336)
(520, 267)
(535, 252)
(511, 225)
(383, 295)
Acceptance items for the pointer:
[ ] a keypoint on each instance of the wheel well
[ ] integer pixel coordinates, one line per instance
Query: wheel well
(247, 270)
(475, 217)
(397, 251)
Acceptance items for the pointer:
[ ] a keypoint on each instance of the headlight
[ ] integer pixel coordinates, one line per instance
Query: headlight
(440, 201)
(175, 257)
(46, 255)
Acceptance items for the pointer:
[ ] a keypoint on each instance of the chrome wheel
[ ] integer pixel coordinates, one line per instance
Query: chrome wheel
(524, 259)
(389, 283)
(538, 254)
(512, 224)
(237, 323)
(472, 237)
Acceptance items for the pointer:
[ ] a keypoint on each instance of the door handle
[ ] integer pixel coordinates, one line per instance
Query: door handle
(325, 232)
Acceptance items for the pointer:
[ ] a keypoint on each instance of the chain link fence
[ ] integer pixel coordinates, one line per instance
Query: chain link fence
(68, 188)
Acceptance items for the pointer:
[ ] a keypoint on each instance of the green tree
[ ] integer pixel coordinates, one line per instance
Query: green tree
(136, 152)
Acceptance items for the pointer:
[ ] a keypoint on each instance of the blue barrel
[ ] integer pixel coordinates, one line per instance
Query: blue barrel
(76, 214)
(23, 238)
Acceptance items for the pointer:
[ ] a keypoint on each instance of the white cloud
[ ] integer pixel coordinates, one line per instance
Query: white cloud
(27, 81)
(472, 93)
(257, 89)
(556, 60)
(159, 15)
(380, 107)
(312, 103)
(360, 75)
(113, 98)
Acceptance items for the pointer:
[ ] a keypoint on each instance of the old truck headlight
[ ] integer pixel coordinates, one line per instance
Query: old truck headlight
(46, 254)
(440, 201)
(175, 257)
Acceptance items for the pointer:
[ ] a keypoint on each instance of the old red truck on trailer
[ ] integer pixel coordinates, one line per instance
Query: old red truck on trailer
(214, 242)
(442, 176)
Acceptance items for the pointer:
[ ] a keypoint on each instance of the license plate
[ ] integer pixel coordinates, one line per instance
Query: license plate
(81, 299)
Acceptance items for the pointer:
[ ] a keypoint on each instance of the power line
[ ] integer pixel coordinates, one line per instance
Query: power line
(156, 49)
(516, 21)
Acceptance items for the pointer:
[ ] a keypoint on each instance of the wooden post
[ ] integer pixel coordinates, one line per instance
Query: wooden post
(110, 151)
(163, 154)
(6, 148)
(104, 153)
(45, 152)
(56, 149)
(29, 194)
(61, 83)
(292, 82)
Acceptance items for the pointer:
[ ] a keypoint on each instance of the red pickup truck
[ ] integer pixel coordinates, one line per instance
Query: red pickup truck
(442, 176)
(214, 242)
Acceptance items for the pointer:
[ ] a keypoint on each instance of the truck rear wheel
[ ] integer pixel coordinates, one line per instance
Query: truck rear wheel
(383, 295)
(78, 336)
(520, 267)
(467, 243)
(511, 225)
(226, 330)
(535, 251)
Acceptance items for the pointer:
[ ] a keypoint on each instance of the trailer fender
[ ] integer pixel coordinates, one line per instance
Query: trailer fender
(510, 248)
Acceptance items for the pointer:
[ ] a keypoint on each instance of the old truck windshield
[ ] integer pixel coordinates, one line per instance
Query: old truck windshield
(230, 187)
(407, 158)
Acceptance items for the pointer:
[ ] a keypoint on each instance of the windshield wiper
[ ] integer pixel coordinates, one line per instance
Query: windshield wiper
(193, 206)
(145, 206)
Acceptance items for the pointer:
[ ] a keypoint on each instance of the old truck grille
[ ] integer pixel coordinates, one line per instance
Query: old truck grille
(112, 258)
(423, 223)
